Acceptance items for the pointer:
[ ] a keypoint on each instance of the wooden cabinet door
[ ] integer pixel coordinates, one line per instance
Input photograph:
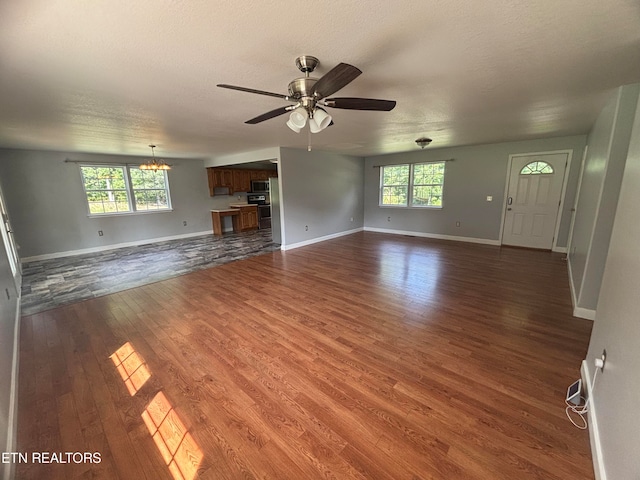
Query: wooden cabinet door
(241, 181)
(252, 218)
(211, 182)
(259, 175)
(227, 178)
(217, 177)
(248, 218)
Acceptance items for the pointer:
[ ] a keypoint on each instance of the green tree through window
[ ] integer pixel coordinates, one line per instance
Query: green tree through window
(415, 185)
(428, 179)
(106, 189)
(117, 189)
(395, 185)
(149, 189)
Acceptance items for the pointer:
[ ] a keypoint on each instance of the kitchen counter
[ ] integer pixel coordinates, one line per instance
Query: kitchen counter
(240, 205)
(217, 215)
(244, 216)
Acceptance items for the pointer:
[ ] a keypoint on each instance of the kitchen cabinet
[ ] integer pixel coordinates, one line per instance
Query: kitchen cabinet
(218, 215)
(241, 180)
(220, 178)
(235, 179)
(247, 220)
(259, 174)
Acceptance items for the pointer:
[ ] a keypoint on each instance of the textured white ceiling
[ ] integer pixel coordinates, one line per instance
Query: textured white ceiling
(114, 76)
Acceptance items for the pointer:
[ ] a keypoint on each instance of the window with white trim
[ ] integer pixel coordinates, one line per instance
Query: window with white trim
(122, 189)
(536, 168)
(414, 185)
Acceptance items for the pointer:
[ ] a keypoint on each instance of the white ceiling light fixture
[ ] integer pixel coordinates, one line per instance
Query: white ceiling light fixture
(297, 119)
(320, 120)
(154, 163)
(423, 142)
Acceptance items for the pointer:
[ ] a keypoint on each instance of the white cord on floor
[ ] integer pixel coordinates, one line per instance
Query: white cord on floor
(581, 410)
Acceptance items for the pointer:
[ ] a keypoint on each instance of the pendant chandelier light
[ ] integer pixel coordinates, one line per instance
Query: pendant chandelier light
(153, 163)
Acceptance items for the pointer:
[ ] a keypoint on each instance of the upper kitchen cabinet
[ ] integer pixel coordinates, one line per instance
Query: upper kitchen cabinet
(242, 180)
(220, 178)
(235, 179)
(259, 174)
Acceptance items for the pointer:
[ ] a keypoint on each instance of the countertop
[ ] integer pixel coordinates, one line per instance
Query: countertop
(225, 210)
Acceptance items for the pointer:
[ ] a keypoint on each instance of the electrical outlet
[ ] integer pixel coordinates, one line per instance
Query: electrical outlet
(351, 219)
(604, 359)
(388, 219)
(306, 228)
(184, 223)
(100, 233)
(489, 198)
(457, 224)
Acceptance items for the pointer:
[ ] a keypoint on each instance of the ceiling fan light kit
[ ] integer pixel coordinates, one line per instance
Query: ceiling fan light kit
(309, 94)
(297, 119)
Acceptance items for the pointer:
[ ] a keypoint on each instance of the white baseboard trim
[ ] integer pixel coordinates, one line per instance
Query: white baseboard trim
(70, 253)
(320, 239)
(559, 249)
(594, 435)
(484, 241)
(574, 294)
(12, 422)
(579, 312)
(585, 313)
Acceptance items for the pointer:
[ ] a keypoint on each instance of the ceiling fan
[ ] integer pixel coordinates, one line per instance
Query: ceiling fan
(309, 96)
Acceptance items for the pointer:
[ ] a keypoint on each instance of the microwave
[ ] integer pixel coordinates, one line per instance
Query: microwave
(259, 186)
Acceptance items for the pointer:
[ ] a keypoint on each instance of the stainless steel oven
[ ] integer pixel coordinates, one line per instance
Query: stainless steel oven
(264, 216)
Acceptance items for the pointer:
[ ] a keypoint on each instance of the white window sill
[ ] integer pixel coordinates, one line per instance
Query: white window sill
(127, 214)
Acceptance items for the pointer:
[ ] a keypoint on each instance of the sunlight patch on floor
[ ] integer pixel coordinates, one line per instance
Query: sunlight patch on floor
(131, 367)
(178, 448)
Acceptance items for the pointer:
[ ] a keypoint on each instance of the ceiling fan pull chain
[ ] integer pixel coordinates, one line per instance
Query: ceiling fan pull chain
(309, 140)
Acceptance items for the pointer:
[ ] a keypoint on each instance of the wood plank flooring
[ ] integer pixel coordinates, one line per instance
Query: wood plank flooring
(370, 356)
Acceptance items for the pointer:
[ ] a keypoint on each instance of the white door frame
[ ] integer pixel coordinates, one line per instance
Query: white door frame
(574, 210)
(565, 180)
(10, 246)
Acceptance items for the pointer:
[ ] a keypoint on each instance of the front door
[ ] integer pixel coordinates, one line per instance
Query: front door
(533, 200)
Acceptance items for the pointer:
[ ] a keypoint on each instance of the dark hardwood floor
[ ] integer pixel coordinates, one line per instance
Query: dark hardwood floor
(370, 356)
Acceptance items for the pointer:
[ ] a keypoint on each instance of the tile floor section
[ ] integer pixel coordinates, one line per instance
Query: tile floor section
(48, 284)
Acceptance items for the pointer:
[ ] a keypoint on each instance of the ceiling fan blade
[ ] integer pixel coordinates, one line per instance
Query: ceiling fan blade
(252, 90)
(336, 78)
(352, 103)
(266, 116)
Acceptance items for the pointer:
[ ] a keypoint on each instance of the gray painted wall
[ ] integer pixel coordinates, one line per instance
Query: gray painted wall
(608, 144)
(47, 205)
(321, 190)
(617, 329)
(8, 309)
(477, 171)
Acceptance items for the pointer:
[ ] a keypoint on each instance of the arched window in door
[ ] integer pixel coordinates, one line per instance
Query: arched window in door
(536, 168)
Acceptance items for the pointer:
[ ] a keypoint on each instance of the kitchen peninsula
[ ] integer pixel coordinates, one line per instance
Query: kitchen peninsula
(244, 217)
